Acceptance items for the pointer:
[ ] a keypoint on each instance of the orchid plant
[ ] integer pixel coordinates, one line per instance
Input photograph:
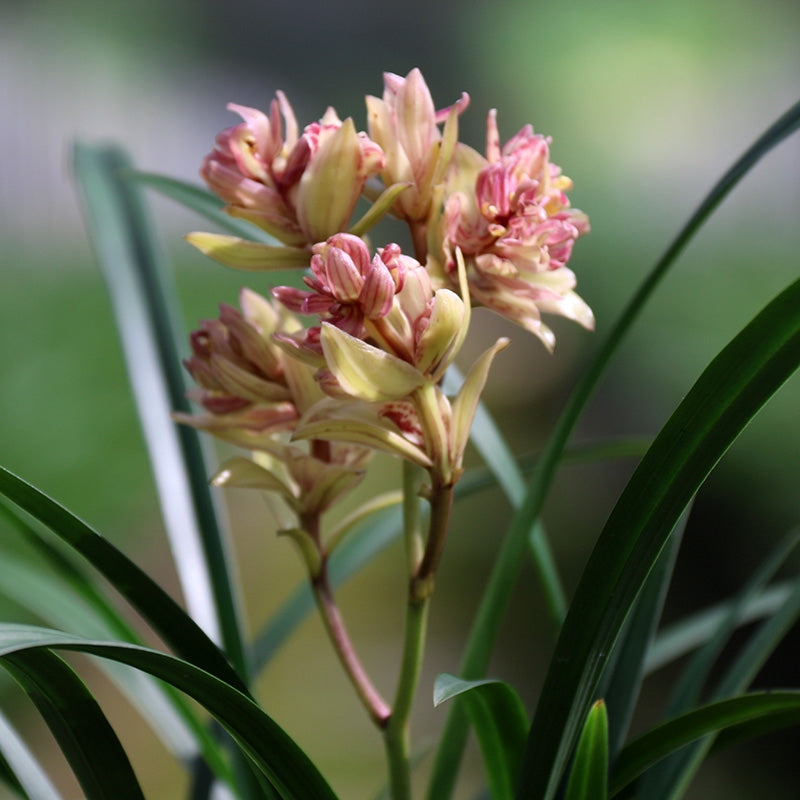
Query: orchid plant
(309, 383)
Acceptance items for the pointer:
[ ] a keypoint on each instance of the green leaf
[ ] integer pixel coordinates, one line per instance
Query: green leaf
(687, 691)
(497, 455)
(680, 638)
(754, 728)
(720, 404)
(146, 316)
(81, 729)
(25, 773)
(588, 778)
(690, 686)
(498, 717)
(622, 680)
(56, 588)
(203, 202)
(291, 772)
(677, 733)
(677, 774)
(176, 627)
(64, 597)
(502, 579)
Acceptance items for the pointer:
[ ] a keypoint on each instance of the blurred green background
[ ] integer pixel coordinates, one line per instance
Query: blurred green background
(647, 104)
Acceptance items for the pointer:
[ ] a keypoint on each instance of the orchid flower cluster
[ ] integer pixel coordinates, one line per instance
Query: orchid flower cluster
(312, 401)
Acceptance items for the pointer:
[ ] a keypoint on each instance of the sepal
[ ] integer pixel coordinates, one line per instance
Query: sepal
(243, 254)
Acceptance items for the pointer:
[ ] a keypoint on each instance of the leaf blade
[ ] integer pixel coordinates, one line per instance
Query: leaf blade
(588, 779)
(177, 628)
(25, 769)
(271, 749)
(500, 722)
(144, 311)
(82, 731)
(690, 726)
(203, 202)
(725, 397)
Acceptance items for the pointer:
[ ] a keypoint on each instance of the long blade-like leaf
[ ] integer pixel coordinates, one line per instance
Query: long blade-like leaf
(676, 774)
(689, 687)
(28, 775)
(294, 776)
(588, 778)
(624, 674)
(671, 736)
(500, 722)
(487, 439)
(136, 279)
(680, 638)
(720, 404)
(496, 597)
(176, 627)
(67, 599)
(82, 731)
(203, 202)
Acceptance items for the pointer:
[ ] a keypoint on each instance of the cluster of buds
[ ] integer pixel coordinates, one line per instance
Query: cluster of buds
(494, 230)
(253, 396)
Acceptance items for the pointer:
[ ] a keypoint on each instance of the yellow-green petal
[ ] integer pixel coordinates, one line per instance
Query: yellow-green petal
(359, 423)
(366, 372)
(243, 254)
(436, 348)
(466, 402)
(331, 184)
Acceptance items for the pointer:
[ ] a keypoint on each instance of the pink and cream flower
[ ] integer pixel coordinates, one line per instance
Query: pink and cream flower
(382, 374)
(405, 124)
(510, 216)
(300, 188)
(247, 387)
(346, 286)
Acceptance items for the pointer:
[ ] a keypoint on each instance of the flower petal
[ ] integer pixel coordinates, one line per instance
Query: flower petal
(436, 345)
(466, 401)
(360, 423)
(331, 184)
(364, 371)
(242, 254)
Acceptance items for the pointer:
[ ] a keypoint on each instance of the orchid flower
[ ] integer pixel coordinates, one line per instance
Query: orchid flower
(510, 216)
(405, 125)
(300, 189)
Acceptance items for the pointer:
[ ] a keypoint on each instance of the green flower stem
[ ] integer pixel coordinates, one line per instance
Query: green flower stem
(397, 734)
(422, 566)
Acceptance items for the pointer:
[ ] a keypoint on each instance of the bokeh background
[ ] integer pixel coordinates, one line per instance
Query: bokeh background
(647, 103)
